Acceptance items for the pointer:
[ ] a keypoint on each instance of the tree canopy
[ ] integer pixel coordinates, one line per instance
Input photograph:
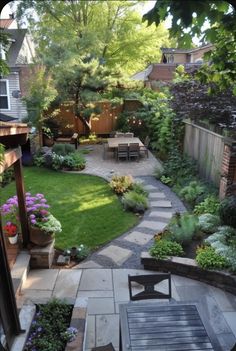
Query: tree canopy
(109, 30)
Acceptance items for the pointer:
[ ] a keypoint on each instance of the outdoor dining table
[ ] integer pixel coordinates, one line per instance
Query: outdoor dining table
(165, 327)
(114, 142)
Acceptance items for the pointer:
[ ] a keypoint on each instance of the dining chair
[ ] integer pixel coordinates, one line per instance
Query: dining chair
(122, 151)
(144, 148)
(129, 135)
(134, 150)
(108, 347)
(119, 135)
(149, 281)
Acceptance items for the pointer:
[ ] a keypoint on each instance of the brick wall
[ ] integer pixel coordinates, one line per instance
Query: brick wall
(228, 170)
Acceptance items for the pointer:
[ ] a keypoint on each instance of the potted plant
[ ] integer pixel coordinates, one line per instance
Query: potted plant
(43, 225)
(47, 136)
(10, 229)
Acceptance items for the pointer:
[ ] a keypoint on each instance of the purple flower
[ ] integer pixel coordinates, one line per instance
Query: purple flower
(33, 221)
(32, 216)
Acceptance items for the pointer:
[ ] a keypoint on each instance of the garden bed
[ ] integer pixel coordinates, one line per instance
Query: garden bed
(188, 268)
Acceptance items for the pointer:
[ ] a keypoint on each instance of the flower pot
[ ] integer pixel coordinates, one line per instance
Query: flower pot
(13, 239)
(48, 141)
(40, 237)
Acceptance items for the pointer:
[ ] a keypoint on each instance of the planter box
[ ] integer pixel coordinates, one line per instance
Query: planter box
(189, 269)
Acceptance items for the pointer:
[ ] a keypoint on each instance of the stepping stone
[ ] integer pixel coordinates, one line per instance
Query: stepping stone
(138, 238)
(88, 264)
(150, 187)
(138, 180)
(152, 225)
(157, 195)
(161, 214)
(116, 254)
(161, 203)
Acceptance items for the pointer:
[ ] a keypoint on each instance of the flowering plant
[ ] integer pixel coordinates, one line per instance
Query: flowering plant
(10, 229)
(37, 211)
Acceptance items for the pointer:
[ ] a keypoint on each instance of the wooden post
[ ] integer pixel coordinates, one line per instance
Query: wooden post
(21, 202)
(8, 309)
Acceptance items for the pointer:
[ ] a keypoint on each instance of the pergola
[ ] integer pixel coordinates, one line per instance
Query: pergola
(12, 136)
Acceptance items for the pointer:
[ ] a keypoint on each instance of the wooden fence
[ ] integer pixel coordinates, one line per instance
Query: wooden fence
(207, 148)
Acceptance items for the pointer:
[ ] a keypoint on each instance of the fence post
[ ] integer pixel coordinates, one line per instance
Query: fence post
(228, 170)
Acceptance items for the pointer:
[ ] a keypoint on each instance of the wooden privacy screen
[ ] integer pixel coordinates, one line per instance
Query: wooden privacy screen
(104, 123)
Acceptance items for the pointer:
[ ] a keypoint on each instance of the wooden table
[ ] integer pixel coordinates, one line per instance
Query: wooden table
(165, 327)
(113, 142)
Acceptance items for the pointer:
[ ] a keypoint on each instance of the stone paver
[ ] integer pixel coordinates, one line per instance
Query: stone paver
(88, 264)
(231, 320)
(101, 305)
(42, 279)
(150, 187)
(138, 238)
(161, 203)
(152, 225)
(105, 330)
(67, 283)
(162, 214)
(116, 254)
(157, 195)
(96, 279)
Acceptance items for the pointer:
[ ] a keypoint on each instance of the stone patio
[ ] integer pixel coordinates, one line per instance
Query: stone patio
(105, 289)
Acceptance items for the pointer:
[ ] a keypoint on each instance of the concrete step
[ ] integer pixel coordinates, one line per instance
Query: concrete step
(20, 270)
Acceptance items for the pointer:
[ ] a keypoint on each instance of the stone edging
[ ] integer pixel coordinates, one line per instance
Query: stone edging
(189, 269)
(78, 320)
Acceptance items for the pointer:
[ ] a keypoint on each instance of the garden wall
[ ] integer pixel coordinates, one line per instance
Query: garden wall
(207, 148)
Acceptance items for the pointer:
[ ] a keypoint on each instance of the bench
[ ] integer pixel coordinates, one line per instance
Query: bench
(72, 140)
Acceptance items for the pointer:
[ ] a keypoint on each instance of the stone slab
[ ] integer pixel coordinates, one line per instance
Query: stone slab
(231, 320)
(154, 225)
(96, 279)
(41, 279)
(67, 283)
(161, 203)
(157, 195)
(116, 254)
(150, 187)
(138, 238)
(162, 214)
(94, 293)
(225, 301)
(107, 330)
(91, 333)
(88, 264)
(36, 295)
(101, 305)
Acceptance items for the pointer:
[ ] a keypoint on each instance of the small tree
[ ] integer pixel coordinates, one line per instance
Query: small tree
(4, 42)
(83, 82)
(41, 94)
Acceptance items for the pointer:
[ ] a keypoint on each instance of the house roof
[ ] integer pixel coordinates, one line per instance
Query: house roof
(17, 36)
(5, 23)
(142, 75)
(184, 51)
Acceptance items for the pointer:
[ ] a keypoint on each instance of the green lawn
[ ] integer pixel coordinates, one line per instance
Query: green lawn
(85, 205)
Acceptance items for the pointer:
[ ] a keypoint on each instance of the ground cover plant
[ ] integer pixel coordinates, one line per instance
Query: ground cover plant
(50, 328)
(89, 212)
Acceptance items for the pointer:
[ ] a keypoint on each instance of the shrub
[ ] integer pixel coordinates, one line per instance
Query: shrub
(182, 228)
(74, 161)
(39, 160)
(208, 258)
(163, 248)
(82, 252)
(63, 149)
(192, 191)
(121, 184)
(7, 177)
(208, 223)
(134, 201)
(139, 189)
(227, 211)
(210, 205)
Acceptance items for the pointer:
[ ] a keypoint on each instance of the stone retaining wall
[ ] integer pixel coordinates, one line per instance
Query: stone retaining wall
(189, 269)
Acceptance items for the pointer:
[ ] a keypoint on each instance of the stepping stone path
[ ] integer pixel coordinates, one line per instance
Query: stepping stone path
(124, 251)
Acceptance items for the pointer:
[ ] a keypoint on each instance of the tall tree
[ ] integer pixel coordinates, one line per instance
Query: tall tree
(110, 30)
(83, 81)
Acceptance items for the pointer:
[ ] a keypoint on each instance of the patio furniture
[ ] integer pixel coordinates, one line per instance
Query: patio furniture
(119, 135)
(144, 148)
(113, 142)
(122, 151)
(129, 135)
(158, 326)
(69, 139)
(108, 347)
(134, 150)
(149, 281)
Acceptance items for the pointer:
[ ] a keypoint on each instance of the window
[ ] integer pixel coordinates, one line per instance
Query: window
(4, 95)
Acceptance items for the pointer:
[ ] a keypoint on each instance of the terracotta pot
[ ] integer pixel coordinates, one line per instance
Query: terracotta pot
(13, 239)
(40, 237)
(48, 141)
